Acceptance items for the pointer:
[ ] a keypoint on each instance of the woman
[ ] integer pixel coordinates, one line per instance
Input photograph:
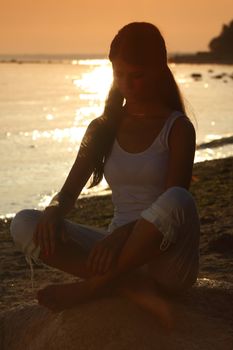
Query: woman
(145, 149)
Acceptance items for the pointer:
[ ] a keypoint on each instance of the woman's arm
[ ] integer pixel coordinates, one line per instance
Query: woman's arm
(79, 174)
(182, 145)
(106, 251)
(51, 224)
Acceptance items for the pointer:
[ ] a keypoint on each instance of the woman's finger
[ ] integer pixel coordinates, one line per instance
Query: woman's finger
(63, 232)
(90, 258)
(95, 259)
(46, 298)
(51, 243)
(102, 261)
(45, 241)
(109, 261)
(40, 237)
(35, 235)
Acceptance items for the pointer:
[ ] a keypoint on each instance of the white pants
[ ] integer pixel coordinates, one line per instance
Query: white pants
(174, 214)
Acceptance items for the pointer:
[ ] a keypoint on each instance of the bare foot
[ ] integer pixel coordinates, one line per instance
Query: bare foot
(150, 299)
(58, 297)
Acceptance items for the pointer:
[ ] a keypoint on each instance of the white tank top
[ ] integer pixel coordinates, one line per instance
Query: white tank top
(138, 179)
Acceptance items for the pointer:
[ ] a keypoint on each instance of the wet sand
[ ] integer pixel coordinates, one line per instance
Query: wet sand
(212, 189)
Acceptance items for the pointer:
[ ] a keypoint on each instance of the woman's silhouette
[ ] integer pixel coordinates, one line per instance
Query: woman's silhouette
(144, 144)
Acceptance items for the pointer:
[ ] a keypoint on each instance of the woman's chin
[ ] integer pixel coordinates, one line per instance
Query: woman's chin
(134, 99)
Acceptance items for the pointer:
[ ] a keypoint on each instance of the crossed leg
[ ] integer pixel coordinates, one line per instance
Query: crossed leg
(123, 278)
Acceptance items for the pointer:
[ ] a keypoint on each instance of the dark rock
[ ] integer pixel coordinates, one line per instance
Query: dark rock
(222, 243)
(218, 76)
(196, 76)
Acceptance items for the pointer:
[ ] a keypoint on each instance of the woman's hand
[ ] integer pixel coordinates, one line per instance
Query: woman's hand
(48, 230)
(107, 250)
(103, 254)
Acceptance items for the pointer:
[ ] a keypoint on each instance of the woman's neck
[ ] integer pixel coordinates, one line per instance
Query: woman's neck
(144, 109)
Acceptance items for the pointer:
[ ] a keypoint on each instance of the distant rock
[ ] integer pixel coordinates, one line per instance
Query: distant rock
(216, 143)
(196, 76)
(218, 76)
(223, 44)
(221, 50)
(222, 243)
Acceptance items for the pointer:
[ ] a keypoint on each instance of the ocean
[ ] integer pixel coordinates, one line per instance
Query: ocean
(45, 107)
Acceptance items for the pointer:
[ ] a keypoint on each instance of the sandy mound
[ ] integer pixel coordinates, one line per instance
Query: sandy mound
(117, 323)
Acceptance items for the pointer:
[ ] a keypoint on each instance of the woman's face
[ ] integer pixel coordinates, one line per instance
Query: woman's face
(135, 82)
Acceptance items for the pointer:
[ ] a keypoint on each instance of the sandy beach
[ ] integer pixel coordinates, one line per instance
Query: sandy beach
(212, 189)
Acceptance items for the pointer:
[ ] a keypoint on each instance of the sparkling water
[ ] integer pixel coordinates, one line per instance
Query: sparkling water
(45, 109)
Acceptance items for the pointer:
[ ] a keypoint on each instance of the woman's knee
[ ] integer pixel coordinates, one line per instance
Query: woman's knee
(179, 197)
(174, 210)
(176, 202)
(180, 202)
(23, 226)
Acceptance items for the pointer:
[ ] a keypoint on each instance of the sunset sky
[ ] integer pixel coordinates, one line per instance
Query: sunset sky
(75, 26)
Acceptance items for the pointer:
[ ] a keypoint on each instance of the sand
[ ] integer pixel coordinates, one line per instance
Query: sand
(205, 312)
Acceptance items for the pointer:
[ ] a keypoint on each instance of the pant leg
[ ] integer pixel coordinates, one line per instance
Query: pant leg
(176, 216)
(24, 223)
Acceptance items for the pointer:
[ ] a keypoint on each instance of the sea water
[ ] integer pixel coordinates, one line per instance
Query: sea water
(46, 107)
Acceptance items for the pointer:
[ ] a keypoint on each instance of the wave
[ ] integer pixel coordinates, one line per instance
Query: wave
(216, 143)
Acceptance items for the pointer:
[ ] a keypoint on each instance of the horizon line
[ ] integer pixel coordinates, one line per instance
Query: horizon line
(78, 54)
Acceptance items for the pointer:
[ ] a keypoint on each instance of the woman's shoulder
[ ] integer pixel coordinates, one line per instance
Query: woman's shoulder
(182, 131)
(96, 125)
(94, 133)
(183, 122)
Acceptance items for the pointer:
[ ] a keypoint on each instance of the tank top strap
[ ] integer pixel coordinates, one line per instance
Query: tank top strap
(168, 125)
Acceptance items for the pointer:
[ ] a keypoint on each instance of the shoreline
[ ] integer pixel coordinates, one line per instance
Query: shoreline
(202, 57)
(221, 142)
(211, 188)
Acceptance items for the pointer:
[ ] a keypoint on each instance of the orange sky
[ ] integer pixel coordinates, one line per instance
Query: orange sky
(75, 26)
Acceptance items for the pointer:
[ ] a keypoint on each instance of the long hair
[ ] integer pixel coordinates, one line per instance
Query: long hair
(139, 43)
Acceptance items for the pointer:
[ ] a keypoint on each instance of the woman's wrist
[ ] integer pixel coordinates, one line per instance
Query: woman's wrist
(125, 230)
(55, 209)
(61, 204)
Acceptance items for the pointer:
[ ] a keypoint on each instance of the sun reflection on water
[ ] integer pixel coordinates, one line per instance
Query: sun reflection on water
(211, 137)
(85, 114)
(212, 283)
(100, 190)
(213, 153)
(95, 83)
(73, 134)
(93, 62)
(93, 86)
